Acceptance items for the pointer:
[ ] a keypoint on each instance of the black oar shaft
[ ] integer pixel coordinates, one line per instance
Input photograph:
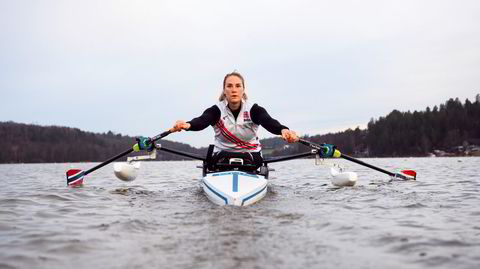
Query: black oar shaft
(346, 157)
(367, 165)
(185, 154)
(108, 161)
(286, 158)
(155, 138)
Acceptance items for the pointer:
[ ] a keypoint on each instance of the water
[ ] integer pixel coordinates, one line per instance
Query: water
(163, 219)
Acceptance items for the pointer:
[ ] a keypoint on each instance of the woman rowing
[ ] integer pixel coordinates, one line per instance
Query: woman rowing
(236, 121)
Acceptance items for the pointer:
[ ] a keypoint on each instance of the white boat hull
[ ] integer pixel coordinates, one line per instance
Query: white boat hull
(234, 188)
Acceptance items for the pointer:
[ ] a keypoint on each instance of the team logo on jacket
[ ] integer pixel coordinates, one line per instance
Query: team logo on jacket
(246, 116)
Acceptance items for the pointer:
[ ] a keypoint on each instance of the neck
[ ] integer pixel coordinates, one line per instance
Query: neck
(234, 106)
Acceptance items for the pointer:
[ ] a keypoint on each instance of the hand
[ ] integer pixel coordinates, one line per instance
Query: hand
(144, 143)
(179, 126)
(289, 136)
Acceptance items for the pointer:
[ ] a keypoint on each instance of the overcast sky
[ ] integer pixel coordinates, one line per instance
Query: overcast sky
(134, 67)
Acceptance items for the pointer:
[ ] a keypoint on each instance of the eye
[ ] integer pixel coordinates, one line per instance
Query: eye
(238, 85)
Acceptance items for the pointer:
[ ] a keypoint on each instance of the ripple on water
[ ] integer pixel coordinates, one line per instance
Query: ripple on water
(132, 191)
(28, 260)
(6, 202)
(51, 197)
(410, 245)
(165, 218)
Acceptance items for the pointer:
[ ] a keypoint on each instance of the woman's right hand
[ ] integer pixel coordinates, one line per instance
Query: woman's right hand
(289, 136)
(179, 126)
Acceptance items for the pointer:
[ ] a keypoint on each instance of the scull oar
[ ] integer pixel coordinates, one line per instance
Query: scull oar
(407, 174)
(75, 176)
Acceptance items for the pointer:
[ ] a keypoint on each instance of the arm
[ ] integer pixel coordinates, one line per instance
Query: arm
(209, 117)
(261, 117)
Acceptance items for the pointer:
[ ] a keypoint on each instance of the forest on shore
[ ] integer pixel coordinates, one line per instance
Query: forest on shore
(450, 129)
(28, 143)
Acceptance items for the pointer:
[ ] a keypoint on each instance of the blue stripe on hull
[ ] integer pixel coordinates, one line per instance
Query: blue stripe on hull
(216, 193)
(230, 173)
(235, 182)
(234, 185)
(253, 195)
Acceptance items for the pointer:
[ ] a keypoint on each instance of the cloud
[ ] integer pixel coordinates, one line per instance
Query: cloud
(137, 66)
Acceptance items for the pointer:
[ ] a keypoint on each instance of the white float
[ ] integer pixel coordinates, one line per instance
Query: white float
(340, 178)
(128, 171)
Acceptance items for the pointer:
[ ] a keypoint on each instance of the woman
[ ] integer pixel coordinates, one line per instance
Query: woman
(236, 121)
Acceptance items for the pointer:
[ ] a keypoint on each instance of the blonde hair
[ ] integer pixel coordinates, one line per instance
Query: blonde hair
(234, 73)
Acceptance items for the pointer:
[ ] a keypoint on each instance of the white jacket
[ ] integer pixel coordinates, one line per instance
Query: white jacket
(236, 135)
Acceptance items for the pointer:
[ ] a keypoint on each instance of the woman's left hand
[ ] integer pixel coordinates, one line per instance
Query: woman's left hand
(289, 136)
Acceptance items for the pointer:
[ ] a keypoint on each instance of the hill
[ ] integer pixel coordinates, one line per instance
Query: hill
(29, 143)
(452, 128)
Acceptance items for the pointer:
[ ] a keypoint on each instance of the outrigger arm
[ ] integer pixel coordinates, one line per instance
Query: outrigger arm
(290, 157)
(181, 153)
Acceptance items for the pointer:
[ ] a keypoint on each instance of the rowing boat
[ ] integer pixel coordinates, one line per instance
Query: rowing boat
(236, 180)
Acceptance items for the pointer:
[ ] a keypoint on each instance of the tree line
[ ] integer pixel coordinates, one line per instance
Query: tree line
(446, 127)
(451, 127)
(29, 143)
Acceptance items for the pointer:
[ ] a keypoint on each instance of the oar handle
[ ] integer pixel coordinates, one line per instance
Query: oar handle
(310, 144)
(155, 138)
(162, 135)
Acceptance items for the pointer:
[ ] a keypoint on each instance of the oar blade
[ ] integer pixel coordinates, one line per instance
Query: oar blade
(410, 173)
(405, 175)
(75, 177)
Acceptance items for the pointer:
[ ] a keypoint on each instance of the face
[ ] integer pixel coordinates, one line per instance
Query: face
(233, 89)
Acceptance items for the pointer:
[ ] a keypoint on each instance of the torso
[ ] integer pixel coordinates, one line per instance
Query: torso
(236, 134)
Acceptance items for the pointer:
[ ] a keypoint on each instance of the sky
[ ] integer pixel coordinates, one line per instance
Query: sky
(135, 67)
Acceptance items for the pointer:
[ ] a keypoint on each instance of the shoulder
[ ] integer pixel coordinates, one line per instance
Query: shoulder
(256, 108)
(214, 107)
(213, 110)
(250, 105)
(221, 105)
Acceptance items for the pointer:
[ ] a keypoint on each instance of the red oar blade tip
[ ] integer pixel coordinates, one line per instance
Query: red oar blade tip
(410, 173)
(75, 177)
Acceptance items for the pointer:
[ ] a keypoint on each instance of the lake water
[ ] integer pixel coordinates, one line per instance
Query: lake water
(163, 219)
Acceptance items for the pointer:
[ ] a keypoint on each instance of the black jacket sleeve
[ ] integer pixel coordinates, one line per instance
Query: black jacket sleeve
(261, 117)
(209, 117)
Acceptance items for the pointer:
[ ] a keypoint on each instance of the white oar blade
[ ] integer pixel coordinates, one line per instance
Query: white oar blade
(126, 171)
(342, 179)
